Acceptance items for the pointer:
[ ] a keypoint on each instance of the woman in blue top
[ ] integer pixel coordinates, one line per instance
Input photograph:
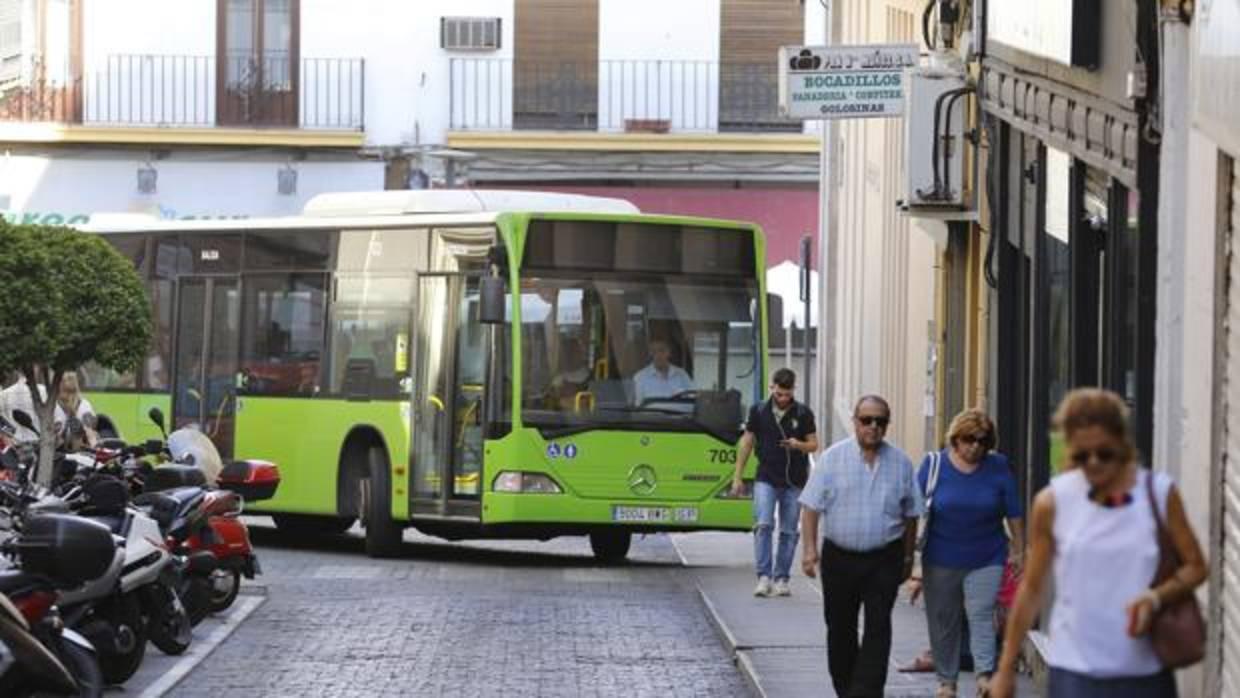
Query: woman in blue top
(966, 545)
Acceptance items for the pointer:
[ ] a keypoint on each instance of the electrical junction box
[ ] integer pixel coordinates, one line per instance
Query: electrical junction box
(934, 146)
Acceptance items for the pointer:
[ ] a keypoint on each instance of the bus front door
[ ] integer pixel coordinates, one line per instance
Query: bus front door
(449, 378)
(208, 342)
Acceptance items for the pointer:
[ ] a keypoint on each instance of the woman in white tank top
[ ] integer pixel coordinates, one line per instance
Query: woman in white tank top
(1094, 529)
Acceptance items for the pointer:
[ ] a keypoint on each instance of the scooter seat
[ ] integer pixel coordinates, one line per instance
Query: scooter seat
(112, 521)
(171, 476)
(15, 581)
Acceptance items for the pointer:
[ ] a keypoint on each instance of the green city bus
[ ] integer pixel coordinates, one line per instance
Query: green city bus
(458, 361)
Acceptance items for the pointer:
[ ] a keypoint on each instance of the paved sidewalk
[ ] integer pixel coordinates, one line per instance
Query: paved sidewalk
(780, 643)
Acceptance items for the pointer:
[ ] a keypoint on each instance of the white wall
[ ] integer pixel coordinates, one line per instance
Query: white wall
(406, 86)
(658, 30)
(223, 184)
(407, 79)
(665, 69)
(147, 61)
(1184, 408)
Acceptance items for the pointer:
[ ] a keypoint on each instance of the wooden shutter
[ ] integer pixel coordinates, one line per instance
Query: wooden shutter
(751, 33)
(555, 73)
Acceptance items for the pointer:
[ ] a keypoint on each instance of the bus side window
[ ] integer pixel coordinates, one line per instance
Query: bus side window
(282, 341)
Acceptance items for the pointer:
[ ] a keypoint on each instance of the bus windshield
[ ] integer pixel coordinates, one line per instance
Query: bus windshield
(637, 351)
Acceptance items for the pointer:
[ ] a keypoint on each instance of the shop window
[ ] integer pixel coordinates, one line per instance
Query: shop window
(1056, 269)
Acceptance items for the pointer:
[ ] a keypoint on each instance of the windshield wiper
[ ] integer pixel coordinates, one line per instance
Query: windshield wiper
(630, 409)
(724, 434)
(569, 429)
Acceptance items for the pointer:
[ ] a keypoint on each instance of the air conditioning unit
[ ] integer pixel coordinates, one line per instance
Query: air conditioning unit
(934, 138)
(469, 33)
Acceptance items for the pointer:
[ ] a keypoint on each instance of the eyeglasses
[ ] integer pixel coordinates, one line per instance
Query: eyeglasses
(867, 421)
(970, 439)
(1104, 456)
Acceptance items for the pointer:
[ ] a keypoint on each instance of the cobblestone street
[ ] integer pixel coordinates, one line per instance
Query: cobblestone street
(499, 618)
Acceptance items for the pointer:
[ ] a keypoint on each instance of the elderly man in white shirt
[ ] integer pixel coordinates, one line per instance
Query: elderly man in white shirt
(660, 379)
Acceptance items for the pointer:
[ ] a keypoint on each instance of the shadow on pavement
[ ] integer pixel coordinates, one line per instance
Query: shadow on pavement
(433, 550)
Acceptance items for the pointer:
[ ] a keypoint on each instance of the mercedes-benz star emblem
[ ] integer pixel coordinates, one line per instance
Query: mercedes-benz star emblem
(642, 480)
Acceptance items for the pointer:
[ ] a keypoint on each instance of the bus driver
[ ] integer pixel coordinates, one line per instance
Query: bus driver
(661, 378)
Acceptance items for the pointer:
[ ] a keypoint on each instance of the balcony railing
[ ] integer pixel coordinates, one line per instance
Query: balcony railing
(189, 91)
(615, 96)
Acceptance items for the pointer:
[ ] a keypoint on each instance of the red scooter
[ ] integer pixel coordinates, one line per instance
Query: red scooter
(227, 536)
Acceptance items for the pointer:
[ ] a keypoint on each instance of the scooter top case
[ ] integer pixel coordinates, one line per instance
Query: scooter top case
(69, 550)
(255, 480)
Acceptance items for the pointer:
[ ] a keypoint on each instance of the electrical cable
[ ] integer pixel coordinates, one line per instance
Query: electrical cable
(992, 279)
(925, 23)
(947, 131)
(937, 192)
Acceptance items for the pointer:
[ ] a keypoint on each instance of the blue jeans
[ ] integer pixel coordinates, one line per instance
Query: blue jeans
(766, 497)
(948, 591)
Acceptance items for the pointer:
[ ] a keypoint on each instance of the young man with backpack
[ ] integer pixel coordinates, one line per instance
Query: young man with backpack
(785, 434)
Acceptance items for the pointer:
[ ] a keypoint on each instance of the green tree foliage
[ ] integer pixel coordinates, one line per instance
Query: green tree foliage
(66, 298)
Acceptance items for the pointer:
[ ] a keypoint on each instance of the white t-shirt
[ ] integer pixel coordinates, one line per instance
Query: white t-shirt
(1104, 558)
(17, 397)
(650, 382)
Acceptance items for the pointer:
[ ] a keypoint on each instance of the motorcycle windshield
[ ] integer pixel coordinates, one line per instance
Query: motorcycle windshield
(194, 447)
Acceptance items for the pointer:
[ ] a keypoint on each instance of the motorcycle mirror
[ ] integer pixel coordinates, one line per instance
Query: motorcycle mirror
(157, 416)
(24, 420)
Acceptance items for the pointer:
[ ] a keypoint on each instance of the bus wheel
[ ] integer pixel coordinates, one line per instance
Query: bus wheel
(383, 535)
(610, 547)
(311, 525)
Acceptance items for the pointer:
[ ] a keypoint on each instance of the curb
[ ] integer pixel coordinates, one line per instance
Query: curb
(739, 657)
(201, 649)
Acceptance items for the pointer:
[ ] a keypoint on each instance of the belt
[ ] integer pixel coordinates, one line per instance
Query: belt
(873, 552)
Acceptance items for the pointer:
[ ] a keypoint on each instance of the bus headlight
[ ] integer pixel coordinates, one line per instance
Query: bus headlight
(525, 483)
(746, 491)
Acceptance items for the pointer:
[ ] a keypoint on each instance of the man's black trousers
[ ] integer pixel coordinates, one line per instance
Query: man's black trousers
(851, 580)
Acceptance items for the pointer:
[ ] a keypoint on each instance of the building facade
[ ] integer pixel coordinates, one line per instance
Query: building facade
(886, 271)
(238, 108)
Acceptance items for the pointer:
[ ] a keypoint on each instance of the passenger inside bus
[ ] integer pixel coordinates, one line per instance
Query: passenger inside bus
(572, 376)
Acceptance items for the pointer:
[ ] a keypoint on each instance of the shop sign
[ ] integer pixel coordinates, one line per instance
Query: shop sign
(844, 82)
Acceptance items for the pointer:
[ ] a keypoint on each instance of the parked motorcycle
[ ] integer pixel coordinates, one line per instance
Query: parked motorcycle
(55, 553)
(235, 482)
(136, 598)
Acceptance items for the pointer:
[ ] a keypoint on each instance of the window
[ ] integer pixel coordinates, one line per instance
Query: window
(210, 254)
(370, 336)
(10, 41)
(282, 340)
(300, 249)
(383, 250)
(469, 33)
(630, 351)
(1057, 292)
(258, 61)
(153, 372)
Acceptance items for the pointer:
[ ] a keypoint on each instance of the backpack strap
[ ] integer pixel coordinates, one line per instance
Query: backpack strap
(932, 478)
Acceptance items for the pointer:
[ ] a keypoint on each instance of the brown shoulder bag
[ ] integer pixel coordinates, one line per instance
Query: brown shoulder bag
(1178, 630)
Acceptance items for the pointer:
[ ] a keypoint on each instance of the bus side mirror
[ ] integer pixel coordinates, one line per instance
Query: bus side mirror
(491, 300)
(774, 317)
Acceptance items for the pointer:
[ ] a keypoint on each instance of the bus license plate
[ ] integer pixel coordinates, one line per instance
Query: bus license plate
(655, 514)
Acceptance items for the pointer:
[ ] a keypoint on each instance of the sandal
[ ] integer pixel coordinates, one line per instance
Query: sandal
(924, 663)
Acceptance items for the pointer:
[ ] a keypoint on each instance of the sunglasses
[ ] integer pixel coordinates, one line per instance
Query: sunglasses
(1103, 455)
(971, 439)
(869, 421)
